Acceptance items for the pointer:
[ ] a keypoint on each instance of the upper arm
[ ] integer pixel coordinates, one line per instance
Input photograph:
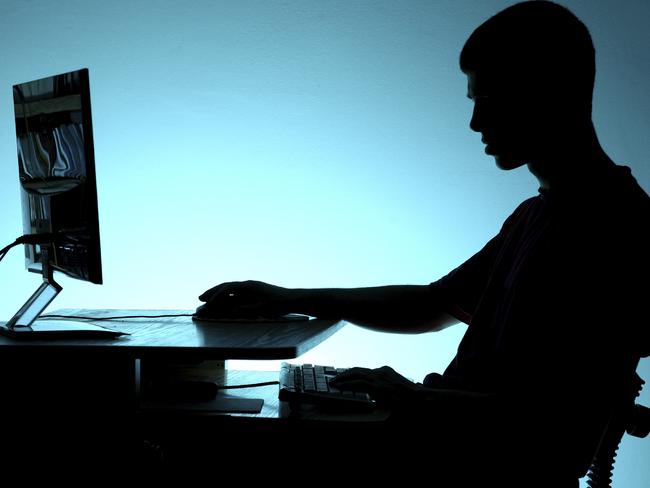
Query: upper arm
(462, 288)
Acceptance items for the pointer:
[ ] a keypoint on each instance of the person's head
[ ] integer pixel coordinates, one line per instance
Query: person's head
(531, 70)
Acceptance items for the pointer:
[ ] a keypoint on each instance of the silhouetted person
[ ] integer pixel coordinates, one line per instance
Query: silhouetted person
(555, 303)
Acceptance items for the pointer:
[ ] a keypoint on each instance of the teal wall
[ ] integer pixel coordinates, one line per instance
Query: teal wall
(304, 143)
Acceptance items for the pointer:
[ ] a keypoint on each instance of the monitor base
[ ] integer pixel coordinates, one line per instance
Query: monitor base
(58, 329)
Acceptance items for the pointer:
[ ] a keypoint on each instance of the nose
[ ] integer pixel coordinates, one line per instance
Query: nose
(477, 121)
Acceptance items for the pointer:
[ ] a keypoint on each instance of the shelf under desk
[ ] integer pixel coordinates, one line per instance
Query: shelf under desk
(258, 445)
(273, 408)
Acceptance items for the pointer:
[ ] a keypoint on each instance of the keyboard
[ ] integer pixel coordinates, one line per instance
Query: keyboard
(309, 384)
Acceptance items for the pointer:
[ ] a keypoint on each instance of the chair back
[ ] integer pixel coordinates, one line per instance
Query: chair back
(627, 417)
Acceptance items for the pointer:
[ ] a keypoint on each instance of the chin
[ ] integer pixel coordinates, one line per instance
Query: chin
(508, 162)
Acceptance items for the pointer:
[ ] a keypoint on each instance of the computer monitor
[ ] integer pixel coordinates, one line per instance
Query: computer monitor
(56, 166)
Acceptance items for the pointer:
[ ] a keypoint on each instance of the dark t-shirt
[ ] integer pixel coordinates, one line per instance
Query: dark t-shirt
(556, 302)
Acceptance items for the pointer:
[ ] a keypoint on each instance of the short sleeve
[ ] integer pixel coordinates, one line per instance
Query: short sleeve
(462, 288)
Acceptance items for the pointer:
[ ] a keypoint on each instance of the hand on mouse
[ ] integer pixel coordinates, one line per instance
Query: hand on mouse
(244, 299)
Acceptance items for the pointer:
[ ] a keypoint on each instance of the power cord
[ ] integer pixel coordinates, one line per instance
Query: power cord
(46, 238)
(192, 390)
(6, 249)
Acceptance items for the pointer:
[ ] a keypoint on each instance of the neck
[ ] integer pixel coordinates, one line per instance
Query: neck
(570, 161)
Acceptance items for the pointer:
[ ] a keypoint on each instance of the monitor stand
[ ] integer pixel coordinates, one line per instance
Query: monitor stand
(23, 324)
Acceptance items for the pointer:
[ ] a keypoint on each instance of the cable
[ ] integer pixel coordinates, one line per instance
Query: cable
(250, 385)
(45, 238)
(48, 238)
(5, 250)
(192, 390)
(116, 317)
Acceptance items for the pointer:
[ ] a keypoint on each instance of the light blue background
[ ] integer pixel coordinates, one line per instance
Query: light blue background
(304, 143)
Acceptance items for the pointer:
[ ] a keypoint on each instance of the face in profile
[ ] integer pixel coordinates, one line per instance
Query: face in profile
(516, 126)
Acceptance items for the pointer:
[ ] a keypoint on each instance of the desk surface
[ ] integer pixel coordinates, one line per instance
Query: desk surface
(184, 338)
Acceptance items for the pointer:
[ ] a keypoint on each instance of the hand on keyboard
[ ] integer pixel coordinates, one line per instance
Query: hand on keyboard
(383, 384)
(312, 385)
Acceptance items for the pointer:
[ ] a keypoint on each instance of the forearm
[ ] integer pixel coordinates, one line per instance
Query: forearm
(397, 308)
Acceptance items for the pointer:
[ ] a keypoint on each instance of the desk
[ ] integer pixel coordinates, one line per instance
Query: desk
(181, 338)
(74, 382)
(115, 361)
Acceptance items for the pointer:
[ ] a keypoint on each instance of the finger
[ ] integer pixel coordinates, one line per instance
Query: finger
(208, 294)
(355, 385)
(223, 292)
(387, 369)
(357, 370)
(351, 374)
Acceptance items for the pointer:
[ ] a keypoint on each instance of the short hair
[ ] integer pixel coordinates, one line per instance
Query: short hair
(540, 40)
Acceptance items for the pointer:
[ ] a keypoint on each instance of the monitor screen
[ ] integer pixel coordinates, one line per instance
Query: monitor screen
(57, 172)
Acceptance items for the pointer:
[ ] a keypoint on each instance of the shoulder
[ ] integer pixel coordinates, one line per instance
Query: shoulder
(623, 192)
(528, 205)
(624, 206)
(528, 211)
